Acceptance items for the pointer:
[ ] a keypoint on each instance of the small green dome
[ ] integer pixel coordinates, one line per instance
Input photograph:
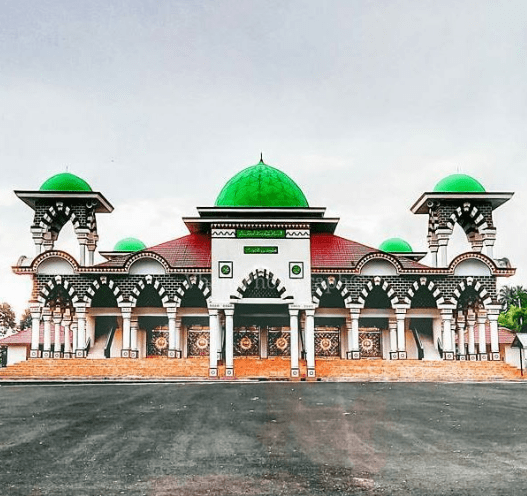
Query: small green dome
(261, 186)
(395, 245)
(129, 245)
(65, 182)
(459, 183)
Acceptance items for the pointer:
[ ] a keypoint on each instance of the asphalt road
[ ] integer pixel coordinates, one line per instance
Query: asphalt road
(263, 439)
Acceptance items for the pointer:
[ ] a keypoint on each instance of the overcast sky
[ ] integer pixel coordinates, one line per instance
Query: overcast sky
(364, 104)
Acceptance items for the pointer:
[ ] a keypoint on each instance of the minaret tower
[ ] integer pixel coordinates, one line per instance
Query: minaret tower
(63, 198)
(459, 199)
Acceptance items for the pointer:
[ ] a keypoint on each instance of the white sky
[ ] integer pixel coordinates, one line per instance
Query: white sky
(365, 104)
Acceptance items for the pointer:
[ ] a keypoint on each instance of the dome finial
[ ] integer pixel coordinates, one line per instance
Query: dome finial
(261, 158)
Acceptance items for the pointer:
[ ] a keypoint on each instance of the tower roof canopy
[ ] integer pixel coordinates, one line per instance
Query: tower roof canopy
(459, 183)
(261, 185)
(65, 182)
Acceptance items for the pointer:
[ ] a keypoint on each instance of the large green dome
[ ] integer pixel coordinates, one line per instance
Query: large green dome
(395, 245)
(459, 183)
(65, 182)
(129, 245)
(261, 186)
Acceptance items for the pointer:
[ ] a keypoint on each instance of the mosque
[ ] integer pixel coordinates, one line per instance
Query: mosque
(263, 274)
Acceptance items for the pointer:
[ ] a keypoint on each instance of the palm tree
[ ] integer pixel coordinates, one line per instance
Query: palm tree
(507, 296)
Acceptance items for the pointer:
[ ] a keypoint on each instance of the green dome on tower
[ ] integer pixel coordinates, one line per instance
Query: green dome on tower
(65, 182)
(129, 245)
(459, 183)
(395, 245)
(261, 186)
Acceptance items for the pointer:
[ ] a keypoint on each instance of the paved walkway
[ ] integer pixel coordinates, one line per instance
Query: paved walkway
(263, 439)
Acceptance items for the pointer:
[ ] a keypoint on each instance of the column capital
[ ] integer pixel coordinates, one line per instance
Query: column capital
(493, 310)
(46, 313)
(355, 311)
(229, 312)
(310, 312)
(80, 307)
(171, 312)
(493, 317)
(400, 310)
(213, 312)
(293, 312)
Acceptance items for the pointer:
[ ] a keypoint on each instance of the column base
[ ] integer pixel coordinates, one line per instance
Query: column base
(311, 372)
(495, 356)
(394, 355)
(448, 355)
(134, 353)
(353, 355)
(462, 358)
(472, 357)
(57, 354)
(80, 353)
(125, 353)
(229, 372)
(174, 354)
(47, 354)
(295, 373)
(483, 357)
(213, 372)
(35, 354)
(67, 354)
(402, 355)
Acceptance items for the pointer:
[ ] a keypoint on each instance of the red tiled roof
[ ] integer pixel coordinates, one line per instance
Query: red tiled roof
(333, 252)
(24, 337)
(192, 250)
(505, 336)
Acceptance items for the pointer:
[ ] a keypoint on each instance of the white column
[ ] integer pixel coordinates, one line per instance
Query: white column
(400, 314)
(310, 342)
(293, 325)
(172, 336)
(482, 320)
(448, 347)
(126, 312)
(392, 326)
(471, 322)
(353, 334)
(134, 324)
(57, 320)
(81, 330)
(229, 341)
(35, 332)
(493, 314)
(46, 317)
(461, 334)
(213, 343)
(442, 241)
(66, 323)
(75, 333)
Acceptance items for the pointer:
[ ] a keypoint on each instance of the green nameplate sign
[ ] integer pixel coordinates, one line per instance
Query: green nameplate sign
(260, 233)
(259, 250)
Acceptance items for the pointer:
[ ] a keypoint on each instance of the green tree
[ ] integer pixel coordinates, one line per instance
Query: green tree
(25, 320)
(515, 319)
(7, 318)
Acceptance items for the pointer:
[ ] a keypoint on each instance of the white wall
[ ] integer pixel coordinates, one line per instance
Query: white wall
(289, 250)
(379, 268)
(146, 266)
(54, 266)
(472, 267)
(16, 353)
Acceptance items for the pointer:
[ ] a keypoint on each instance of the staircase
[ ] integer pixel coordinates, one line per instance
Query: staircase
(97, 349)
(429, 349)
(162, 368)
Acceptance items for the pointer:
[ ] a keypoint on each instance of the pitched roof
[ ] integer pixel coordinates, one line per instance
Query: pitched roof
(189, 251)
(24, 337)
(505, 336)
(333, 252)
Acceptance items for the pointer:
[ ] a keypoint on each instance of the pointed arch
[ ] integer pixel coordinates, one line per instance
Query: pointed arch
(469, 218)
(54, 284)
(193, 282)
(97, 284)
(326, 285)
(156, 285)
(52, 218)
(259, 274)
(424, 284)
(378, 282)
(476, 286)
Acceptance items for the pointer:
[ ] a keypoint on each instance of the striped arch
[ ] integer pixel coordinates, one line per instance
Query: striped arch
(324, 286)
(96, 285)
(266, 274)
(384, 285)
(54, 283)
(188, 283)
(478, 287)
(423, 282)
(54, 211)
(472, 212)
(146, 280)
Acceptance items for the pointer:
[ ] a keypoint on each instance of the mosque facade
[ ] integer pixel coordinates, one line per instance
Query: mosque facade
(263, 274)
